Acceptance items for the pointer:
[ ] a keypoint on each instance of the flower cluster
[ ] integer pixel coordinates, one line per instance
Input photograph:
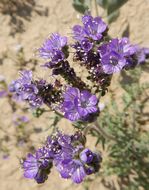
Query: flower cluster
(73, 103)
(75, 98)
(79, 104)
(67, 153)
(55, 50)
(34, 92)
(101, 55)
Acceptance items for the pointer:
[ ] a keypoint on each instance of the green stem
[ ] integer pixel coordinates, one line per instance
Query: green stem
(99, 130)
(58, 113)
(96, 8)
(102, 132)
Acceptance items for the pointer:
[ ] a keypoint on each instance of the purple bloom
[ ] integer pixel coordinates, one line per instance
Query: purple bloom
(37, 166)
(70, 110)
(35, 92)
(93, 28)
(86, 45)
(25, 89)
(91, 31)
(78, 105)
(142, 54)
(112, 63)
(87, 103)
(79, 174)
(78, 33)
(67, 153)
(114, 55)
(69, 162)
(30, 166)
(123, 46)
(86, 156)
(53, 48)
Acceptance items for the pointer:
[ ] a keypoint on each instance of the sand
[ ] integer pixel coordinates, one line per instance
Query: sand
(46, 17)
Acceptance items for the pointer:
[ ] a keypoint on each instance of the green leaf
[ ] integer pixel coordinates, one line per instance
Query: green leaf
(112, 7)
(113, 16)
(81, 5)
(103, 3)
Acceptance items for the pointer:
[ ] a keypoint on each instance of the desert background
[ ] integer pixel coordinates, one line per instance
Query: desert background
(26, 29)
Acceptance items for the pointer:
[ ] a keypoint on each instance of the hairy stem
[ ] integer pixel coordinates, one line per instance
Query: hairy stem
(99, 130)
(102, 132)
(96, 8)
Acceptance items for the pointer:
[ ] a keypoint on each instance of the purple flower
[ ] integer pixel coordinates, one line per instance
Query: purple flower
(87, 103)
(78, 33)
(86, 156)
(123, 46)
(25, 79)
(86, 45)
(53, 48)
(69, 162)
(67, 153)
(112, 63)
(93, 28)
(115, 54)
(86, 35)
(30, 166)
(57, 42)
(78, 104)
(25, 89)
(142, 54)
(37, 166)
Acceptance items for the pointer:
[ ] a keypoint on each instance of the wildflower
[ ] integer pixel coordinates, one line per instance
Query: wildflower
(114, 55)
(93, 28)
(53, 48)
(37, 167)
(78, 33)
(86, 45)
(70, 163)
(25, 89)
(113, 63)
(34, 92)
(142, 54)
(67, 153)
(78, 104)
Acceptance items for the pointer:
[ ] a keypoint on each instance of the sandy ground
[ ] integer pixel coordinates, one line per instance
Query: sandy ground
(55, 16)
